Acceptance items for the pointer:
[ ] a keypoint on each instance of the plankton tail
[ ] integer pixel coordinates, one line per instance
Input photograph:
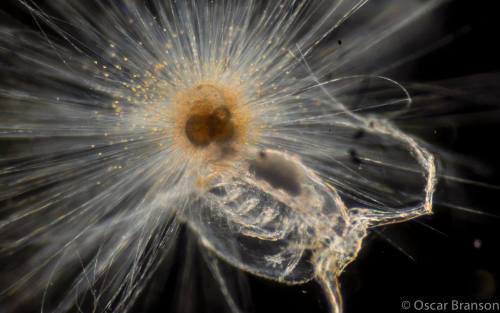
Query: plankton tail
(331, 286)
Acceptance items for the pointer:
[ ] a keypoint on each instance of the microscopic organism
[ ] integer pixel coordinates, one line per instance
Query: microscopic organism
(252, 122)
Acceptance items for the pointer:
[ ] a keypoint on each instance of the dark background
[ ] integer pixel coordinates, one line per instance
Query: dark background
(443, 264)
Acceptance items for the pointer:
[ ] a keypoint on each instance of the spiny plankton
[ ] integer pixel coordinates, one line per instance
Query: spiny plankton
(236, 118)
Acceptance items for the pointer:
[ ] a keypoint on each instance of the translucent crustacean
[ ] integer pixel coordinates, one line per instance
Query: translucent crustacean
(274, 217)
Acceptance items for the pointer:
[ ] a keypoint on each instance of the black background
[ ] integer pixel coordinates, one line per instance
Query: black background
(443, 266)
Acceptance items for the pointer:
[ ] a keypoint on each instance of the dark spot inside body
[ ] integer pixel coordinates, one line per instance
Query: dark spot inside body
(339, 42)
(197, 130)
(354, 157)
(359, 134)
(278, 172)
(339, 226)
(220, 131)
(262, 154)
(203, 129)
